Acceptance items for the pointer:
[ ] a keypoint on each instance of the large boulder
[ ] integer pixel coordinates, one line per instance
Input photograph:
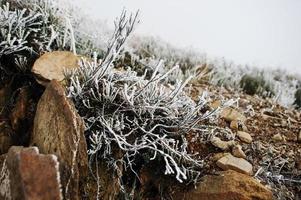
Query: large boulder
(229, 185)
(52, 65)
(59, 130)
(26, 174)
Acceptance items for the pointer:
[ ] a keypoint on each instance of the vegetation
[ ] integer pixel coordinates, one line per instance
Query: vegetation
(298, 98)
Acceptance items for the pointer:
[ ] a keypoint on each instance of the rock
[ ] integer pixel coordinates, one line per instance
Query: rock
(299, 136)
(234, 125)
(244, 128)
(21, 117)
(6, 140)
(52, 66)
(5, 94)
(218, 156)
(215, 104)
(238, 152)
(223, 145)
(230, 114)
(278, 138)
(244, 136)
(18, 113)
(229, 185)
(59, 130)
(29, 175)
(237, 164)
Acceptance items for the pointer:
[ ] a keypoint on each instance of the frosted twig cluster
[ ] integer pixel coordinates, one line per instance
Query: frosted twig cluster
(144, 118)
(30, 27)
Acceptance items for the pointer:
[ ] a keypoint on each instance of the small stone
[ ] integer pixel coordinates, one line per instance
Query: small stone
(52, 65)
(284, 123)
(223, 145)
(234, 125)
(236, 164)
(230, 114)
(278, 138)
(245, 128)
(244, 136)
(238, 152)
(299, 136)
(215, 104)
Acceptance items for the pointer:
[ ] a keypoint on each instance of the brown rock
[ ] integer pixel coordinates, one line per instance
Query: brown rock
(238, 152)
(230, 114)
(299, 136)
(30, 175)
(5, 94)
(229, 185)
(52, 66)
(234, 125)
(18, 113)
(218, 156)
(21, 117)
(223, 145)
(6, 140)
(59, 130)
(237, 164)
(244, 136)
(215, 104)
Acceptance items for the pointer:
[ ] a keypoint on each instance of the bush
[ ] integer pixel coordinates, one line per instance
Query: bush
(142, 118)
(298, 98)
(27, 29)
(256, 85)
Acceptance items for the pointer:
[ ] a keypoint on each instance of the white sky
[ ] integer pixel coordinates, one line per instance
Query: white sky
(259, 32)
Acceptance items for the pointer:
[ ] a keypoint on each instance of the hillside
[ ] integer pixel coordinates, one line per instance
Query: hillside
(134, 117)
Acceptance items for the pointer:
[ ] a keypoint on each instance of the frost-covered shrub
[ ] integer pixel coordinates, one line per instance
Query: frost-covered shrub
(298, 98)
(27, 29)
(146, 52)
(256, 85)
(250, 85)
(142, 118)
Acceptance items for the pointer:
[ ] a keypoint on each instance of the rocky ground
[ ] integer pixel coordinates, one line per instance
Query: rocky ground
(256, 153)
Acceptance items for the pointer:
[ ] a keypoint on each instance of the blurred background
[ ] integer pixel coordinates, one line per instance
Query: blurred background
(261, 33)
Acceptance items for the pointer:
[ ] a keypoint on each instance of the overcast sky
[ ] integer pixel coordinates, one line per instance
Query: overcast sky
(259, 32)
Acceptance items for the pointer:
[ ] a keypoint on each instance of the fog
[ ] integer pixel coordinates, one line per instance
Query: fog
(263, 33)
